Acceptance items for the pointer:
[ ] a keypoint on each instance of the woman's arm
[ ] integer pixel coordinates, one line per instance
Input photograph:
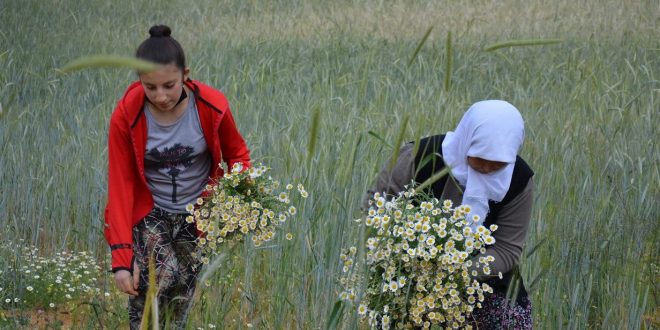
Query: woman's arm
(122, 175)
(392, 182)
(234, 150)
(512, 222)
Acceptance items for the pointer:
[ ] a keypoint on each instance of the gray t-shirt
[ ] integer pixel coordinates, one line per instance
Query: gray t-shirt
(177, 161)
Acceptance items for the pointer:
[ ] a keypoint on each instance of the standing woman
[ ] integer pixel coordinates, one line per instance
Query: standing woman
(486, 174)
(168, 135)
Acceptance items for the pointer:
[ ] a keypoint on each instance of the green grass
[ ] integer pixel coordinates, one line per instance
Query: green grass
(590, 105)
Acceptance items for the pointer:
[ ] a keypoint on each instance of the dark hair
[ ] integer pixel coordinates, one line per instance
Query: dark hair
(161, 48)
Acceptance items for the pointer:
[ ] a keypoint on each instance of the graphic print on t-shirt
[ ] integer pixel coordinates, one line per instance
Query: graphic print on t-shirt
(172, 160)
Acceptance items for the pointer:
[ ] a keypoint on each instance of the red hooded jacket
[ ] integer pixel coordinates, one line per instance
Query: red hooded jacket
(129, 197)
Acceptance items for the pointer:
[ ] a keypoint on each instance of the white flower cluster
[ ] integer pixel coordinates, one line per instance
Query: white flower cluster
(36, 281)
(420, 264)
(242, 203)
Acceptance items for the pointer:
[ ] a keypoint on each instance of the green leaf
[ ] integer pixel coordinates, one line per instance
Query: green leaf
(539, 244)
(522, 42)
(421, 44)
(397, 143)
(337, 310)
(534, 282)
(98, 61)
(435, 177)
(380, 138)
(314, 127)
(448, 62)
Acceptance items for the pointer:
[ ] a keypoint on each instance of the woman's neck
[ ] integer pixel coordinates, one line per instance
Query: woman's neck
(170, 117)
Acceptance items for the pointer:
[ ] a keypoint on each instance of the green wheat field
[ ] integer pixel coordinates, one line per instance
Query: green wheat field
(322, 90)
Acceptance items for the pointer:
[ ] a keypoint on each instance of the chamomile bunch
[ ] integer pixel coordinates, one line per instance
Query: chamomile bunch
(243, 203)
(421, 263)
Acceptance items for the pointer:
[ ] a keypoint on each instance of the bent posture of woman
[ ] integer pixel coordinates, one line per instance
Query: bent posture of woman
(487, 174)
(167, 136)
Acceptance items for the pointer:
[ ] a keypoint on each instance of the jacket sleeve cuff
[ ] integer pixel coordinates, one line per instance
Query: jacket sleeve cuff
(122, 257)
(116, 269)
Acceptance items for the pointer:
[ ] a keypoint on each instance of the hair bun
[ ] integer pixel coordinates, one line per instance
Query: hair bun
(159, 31)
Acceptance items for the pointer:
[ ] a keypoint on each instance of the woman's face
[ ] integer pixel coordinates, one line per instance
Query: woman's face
(485, 166)
(163, 87)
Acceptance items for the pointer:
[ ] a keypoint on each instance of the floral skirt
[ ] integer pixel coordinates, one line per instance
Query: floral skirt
(498, 313)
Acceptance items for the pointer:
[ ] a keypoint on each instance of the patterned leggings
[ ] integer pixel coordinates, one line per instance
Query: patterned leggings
(497, 313)
(171, 240)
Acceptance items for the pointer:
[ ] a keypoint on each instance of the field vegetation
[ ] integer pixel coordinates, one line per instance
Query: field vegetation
(352, 70)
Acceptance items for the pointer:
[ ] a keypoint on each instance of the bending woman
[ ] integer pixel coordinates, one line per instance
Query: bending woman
(487, 174)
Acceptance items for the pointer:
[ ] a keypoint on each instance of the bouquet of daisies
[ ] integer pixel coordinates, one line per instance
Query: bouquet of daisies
(242, 203)
(418, 267)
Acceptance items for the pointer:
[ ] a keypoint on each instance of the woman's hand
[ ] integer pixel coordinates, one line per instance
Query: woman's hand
(249, 181)
(126, 283)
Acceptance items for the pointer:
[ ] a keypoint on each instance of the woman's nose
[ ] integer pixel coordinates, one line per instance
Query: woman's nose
(160, 96)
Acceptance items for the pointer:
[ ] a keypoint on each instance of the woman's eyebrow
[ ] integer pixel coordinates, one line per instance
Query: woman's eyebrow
(165, 83)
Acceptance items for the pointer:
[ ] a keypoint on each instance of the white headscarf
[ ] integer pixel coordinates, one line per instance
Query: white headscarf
(492, 130)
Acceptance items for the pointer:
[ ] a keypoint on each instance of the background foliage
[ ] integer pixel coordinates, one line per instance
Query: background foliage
(590, 104)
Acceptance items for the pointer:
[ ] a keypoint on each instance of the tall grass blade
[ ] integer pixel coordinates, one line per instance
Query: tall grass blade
(514, 286)
(98, 61)
(313, 134)
(337, 311)
(421, 44)
(448, 61)
(538, 245)
(397, 143)
(351, 161)
(151, 299)
(213, 267)
(532, 285)
(380, 138)
(435, 177)
(520, 43)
